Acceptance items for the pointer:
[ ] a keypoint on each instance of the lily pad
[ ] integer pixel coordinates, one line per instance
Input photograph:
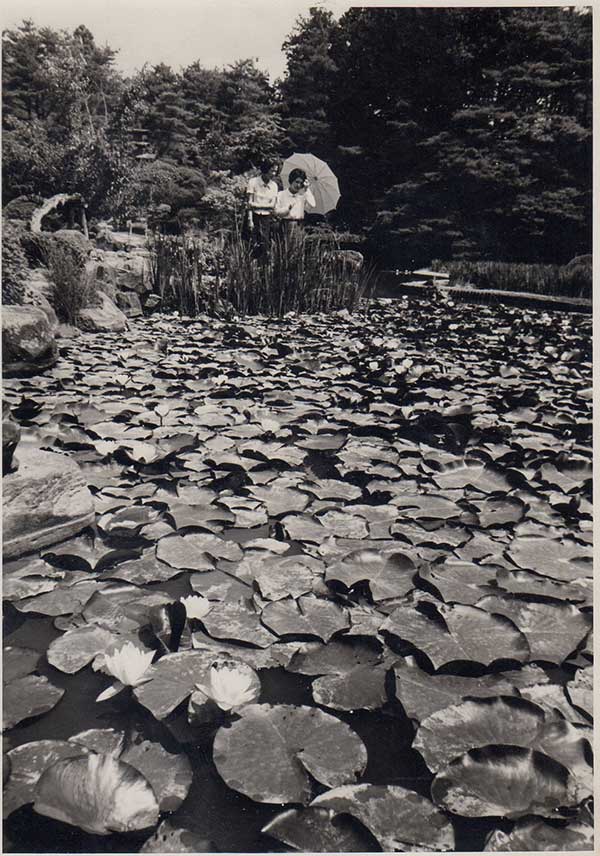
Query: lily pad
(18, 662)
(562, 560)
(388, 574)
(169, 775)
(462, 582)
(278, 578)
(553, 630)
(270, 751)
(28, 696)
(98, 794)
(528, 582)
(76, 648)
(580, 691)
(422, 694)
(175, 839)
(27, 763)
(314, 830)
(503, 781)
(535, 834)
(337, 657)
(308, 615)
(171, 680)
(363, 688)
(469, 634)
(239, 622)
(399, 819)
(63, 600)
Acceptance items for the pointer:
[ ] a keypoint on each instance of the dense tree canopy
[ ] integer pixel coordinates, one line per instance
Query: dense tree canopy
(458, 133)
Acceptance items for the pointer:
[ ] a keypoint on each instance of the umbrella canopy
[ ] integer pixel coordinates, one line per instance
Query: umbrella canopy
(323, 182)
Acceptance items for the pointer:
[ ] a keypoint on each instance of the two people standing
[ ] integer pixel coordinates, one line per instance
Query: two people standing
(267, 204)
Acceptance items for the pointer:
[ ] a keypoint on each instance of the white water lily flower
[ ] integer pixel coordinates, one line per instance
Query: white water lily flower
(231, 684)
(129, 664)
(196, 606)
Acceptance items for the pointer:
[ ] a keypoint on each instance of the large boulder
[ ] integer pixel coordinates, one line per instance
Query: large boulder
(45, 501)
(28, 345)
(130, 303)
(121, 271)
(104, 318)
(37, 291)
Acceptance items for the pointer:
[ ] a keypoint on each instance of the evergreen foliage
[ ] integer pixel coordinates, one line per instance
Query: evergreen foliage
(456, 133)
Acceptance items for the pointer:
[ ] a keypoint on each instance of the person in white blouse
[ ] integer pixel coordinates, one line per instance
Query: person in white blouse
(292, 203)
(261, 193)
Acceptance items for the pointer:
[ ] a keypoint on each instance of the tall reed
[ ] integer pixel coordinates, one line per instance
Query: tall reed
(297, 274)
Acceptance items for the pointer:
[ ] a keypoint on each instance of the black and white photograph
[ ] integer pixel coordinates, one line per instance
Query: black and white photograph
(297, 427)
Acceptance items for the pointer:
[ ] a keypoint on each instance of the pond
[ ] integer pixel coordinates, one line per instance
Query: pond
(385, 521)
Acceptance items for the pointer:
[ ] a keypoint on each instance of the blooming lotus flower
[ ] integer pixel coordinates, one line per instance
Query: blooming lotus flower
(196, 606)
(230, 684)
(128, 665)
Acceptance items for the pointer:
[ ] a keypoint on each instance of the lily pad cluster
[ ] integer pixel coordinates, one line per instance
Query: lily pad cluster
(392, 509)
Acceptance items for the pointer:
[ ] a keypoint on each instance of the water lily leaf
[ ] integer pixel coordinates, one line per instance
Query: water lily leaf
(399, 819)
(344, 524)
(169, 775)
(280, 499)
(462, 582)
(192, 551)
(388, 574)
(314, 830)
(476, 723)
(76, 648)
(499, 512)
(146, 569)
(363, 688)
(504, 781)
(332, 489)
(236, 621)
(270, 751)
(217, 585)
(527, 582)
(27, 763)
(308, 615)
(535, 834)
(276, 655)
(553, 701)
(337, 657)
(422, 694)
(175, 839)
(303, 527)
(28, 696)
(427, 506)
(278, 578)
(472, 472)
(171, 680)
(98, 794)
(87, 553)
(580, 691)
(562, 560)
(470, 634)
(210, 517)
(18, 662)
(63, 600)
(553, 630)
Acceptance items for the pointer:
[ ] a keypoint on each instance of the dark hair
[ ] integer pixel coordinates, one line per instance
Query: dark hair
(296, 173)
(266, 166)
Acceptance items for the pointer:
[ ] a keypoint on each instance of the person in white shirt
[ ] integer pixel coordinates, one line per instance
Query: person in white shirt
(261, 193)
(291, 203)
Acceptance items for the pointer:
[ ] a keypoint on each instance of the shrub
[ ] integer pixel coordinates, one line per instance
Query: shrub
(572, 280)
(14, 264)
(72, 288)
